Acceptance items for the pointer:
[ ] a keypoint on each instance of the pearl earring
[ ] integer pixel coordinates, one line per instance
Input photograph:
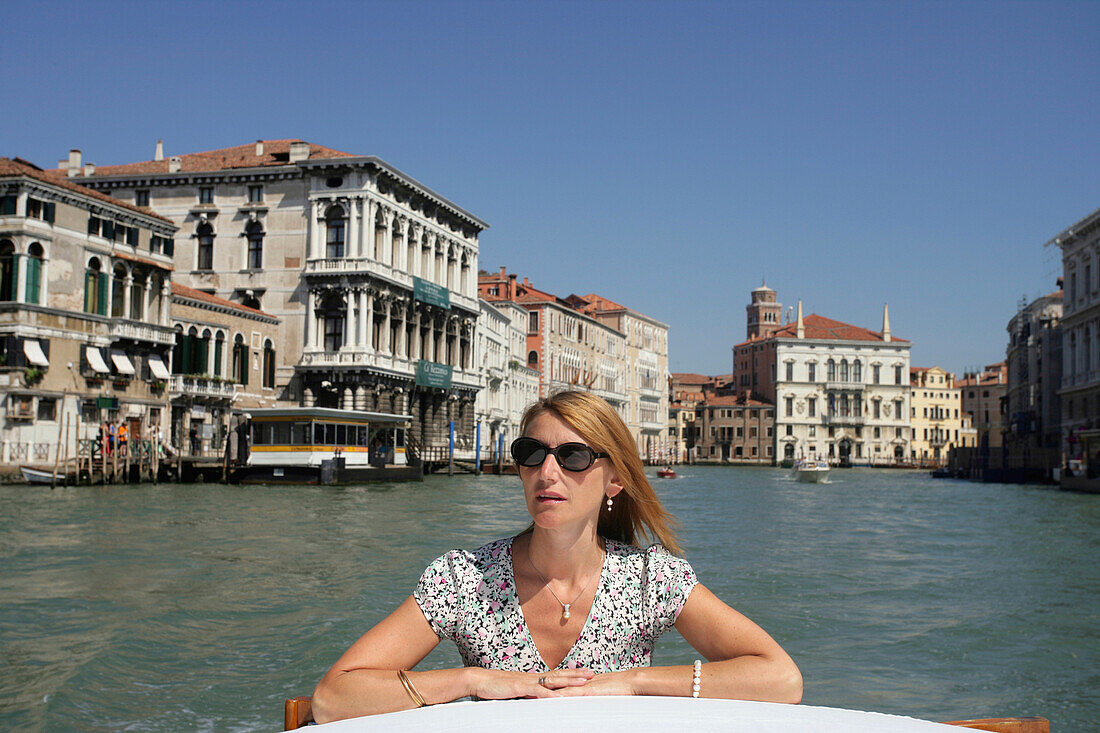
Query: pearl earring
(609, 502)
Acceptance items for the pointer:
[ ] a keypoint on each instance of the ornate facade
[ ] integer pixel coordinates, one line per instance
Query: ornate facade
(509, 385)
(936, 418)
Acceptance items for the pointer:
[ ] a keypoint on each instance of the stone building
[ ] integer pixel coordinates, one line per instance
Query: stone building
(938, 422)
(371, 274)
(1080, 325)
(84, 308)
(224, 360)
(982, 395)
(735, 429)
(685, 392)
(840, 391)
(1033, 437)
(509, 385)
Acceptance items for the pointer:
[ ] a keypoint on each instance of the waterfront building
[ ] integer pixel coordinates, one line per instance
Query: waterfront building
(840, 391)
(685, 392)
(84, 314)
(1033, 439)
(1080, 325)
(936, 418)
(646, 371)
(224, 360)
(568, 348)
(735, 429)
(509, 385)
(370, 273)
(982, 395)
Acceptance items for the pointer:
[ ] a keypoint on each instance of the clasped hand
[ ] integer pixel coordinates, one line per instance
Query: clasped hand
(501, 685)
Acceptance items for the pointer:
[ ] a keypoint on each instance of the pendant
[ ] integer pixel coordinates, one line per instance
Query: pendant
(565, 612)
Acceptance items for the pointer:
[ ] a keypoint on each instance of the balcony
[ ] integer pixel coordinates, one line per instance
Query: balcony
(363, 359)
(843, 420)
(369, 266)
(179, 384)
(137, 331)
(845, 386)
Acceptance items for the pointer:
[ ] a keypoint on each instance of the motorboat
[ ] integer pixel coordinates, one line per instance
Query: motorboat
(37, 476)
(811, 471)
(666, 472)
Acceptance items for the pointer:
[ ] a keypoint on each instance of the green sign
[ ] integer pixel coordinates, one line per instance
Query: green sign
(431, 374)
(106, 403)
(430, 293)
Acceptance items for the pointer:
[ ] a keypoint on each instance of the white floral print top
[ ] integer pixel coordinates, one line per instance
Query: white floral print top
(470, 598)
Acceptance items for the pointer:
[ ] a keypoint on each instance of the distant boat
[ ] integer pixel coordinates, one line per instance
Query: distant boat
(811, 471)
(38, 476)
(666, 473)
(942, 472)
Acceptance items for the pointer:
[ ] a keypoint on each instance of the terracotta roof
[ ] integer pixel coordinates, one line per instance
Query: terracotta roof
(601, 302)
(734, 401)
(690, 378)
(276, 153)
(822, 328)
(185, 292)
(20, 167)
(142, 260)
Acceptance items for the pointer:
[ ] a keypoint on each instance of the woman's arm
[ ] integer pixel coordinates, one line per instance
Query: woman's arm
(747, 664)
(364, 679)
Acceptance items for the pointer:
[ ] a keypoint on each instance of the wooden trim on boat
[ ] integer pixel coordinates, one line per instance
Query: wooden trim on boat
(297, 711)
(1006, 725)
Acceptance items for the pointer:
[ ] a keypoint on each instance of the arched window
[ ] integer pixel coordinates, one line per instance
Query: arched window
(255, 235)
(533, 359)
(219, 353)
(830, 370)
(857, 371)
(201, 354)
(34, 273)
(333, 314)
(844, 370)
(137, 296)
(205, 234)
(95, 288)
(179, 364)
(8, 270)
(335, 221)
(155, 285)
(269, 365)
(118, 294)
(240, 360)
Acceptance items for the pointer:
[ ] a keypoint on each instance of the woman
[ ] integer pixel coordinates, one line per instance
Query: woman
(571, 606)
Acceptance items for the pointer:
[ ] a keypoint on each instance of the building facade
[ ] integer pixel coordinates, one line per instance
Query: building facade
(735, 429)
(371, 274)
(84, 309)
(841, 392)
(509, 385)
(224, 359)
(938, 422)
(1033, 439)
(982, 396)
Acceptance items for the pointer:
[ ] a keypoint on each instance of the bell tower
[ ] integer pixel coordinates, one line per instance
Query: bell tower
(763, 313)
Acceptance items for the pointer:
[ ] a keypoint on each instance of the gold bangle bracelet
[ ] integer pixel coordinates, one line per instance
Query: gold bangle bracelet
(416, 697)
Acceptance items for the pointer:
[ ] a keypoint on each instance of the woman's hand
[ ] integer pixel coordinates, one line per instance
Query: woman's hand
(494, 684)
(611, 683)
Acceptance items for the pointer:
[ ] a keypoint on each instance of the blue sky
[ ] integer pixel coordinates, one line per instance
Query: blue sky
(668, 155)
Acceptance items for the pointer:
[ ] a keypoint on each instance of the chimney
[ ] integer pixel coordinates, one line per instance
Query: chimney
(800, 329)
(159, 155)
(74, 162)
(885, 322)
(503, 272)
(89, 169)
(259, 148)
(174, 164)
(299, 151)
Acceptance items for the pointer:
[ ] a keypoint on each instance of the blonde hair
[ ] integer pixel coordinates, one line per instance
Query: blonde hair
(636, 509)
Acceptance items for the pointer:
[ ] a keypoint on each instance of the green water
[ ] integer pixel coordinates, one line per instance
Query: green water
(201, 607)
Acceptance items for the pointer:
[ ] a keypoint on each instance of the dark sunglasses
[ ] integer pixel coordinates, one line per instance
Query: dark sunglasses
(530, 453)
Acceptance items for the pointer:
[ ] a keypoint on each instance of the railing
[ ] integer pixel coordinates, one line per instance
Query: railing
(840, 386)
(122, 329)
(202, 386)
(843, 419)
(349, 265)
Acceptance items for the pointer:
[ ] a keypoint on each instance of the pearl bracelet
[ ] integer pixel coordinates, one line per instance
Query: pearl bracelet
(696, 673)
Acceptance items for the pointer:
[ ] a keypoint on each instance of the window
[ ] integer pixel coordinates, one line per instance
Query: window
(141, 197)
(533, 322)
(206, 194)
(812, 368)
(219, 352)
(7, 205)
(9, 274)
(255, 234)
(875, 373)
(876, 409)
(333, 313)
(95, 288)
(256, 194)
(33, 290)
(788, 406)
(830, 371)
(897, 432)
(857, 371)
(878, 432)
(790, 430)
(790, 372)
(533, 359)
(899, 406)
(813, 431)
(844, 370)
(47, 408)
(334, 232)
(118, 291)
(897, 375)
(240, 360)
(811, 406)
(269, 365)
(43, 210)
(205, 234)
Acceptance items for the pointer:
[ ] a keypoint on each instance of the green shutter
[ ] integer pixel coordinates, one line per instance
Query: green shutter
(108, 230)
(49, 209)
(34, 279)
(132, 236)
(218, 357)
(244, 366)
(7, 206)
(101, 306)
(185, 354)
(200, 355)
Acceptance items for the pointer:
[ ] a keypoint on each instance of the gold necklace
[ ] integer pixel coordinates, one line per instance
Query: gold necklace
(565, 607)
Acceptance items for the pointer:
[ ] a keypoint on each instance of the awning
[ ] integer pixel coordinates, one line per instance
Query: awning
(95, 360)
(156, 366)
(122, 363)
(33, 350)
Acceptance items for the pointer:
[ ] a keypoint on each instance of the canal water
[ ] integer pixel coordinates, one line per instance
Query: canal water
(201, 607)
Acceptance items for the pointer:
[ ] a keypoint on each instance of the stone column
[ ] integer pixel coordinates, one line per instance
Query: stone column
(362, 323)
(210, 354)
(371, 346)
(427, 263)
(349, 321)
(387, 242)
(348, 402)
(314, 248)
(309, 325)
(307, 397)
(352, 250)
(387, 347)
(369, 226)
(414, 353)
(20, 263)
(165, 298)
(361, 398)
(412, 240)
(145, 288)
(402, 329)
(127, 286)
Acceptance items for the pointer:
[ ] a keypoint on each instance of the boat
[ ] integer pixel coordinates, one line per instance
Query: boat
(666, 472)
(811, 471)
(37, 476)
(634, 713)
(942, 472)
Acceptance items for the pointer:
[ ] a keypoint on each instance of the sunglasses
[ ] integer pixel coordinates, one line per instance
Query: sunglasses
(531, 453)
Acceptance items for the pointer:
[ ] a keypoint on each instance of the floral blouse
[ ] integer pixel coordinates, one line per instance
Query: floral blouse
(471, 599)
